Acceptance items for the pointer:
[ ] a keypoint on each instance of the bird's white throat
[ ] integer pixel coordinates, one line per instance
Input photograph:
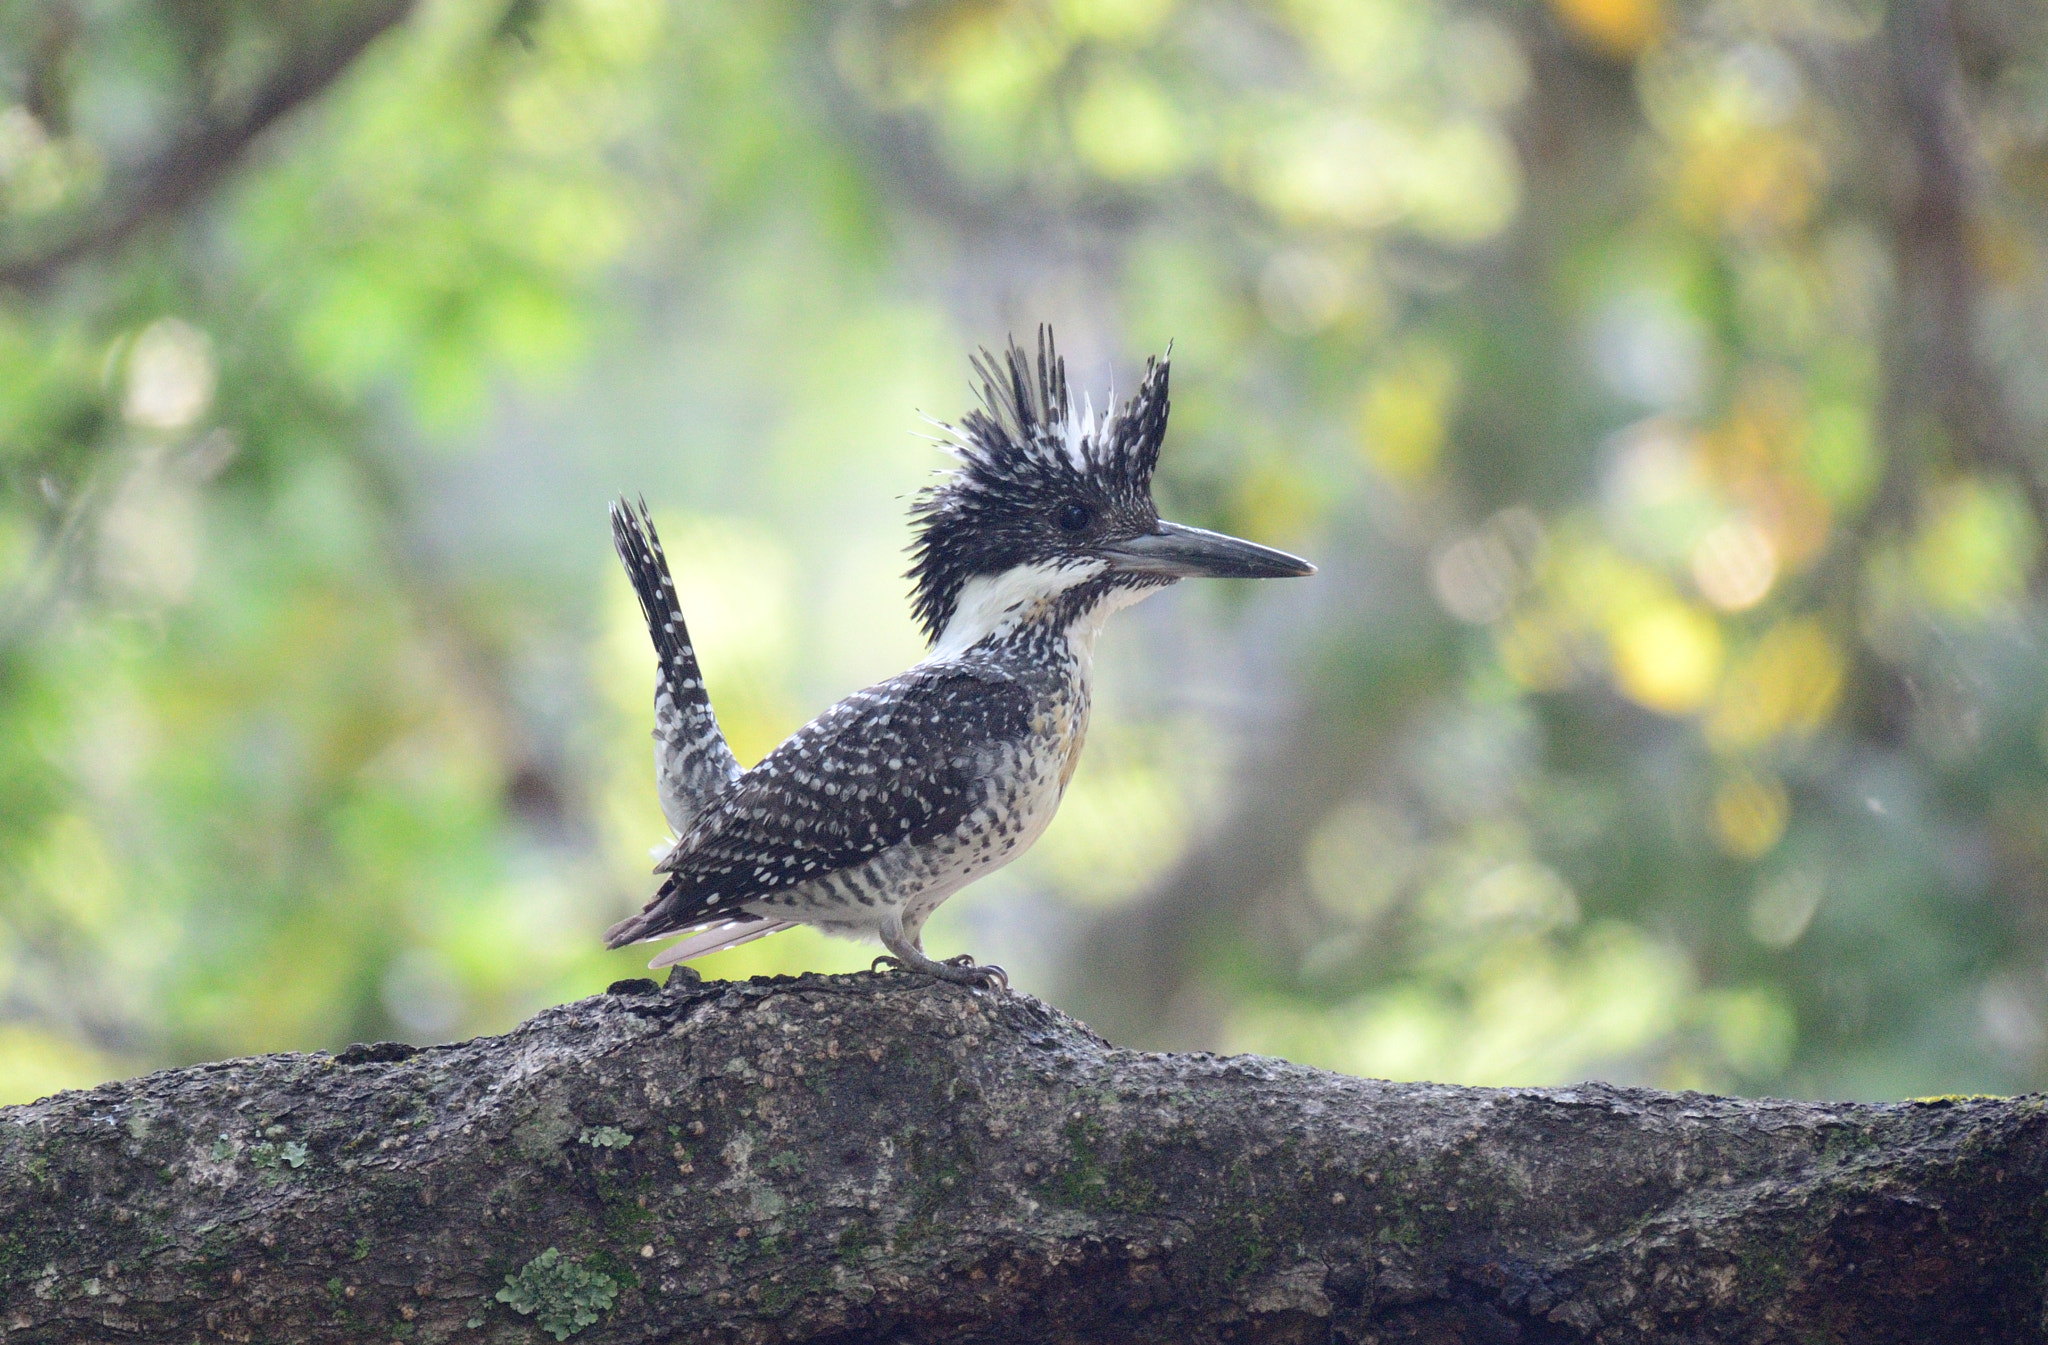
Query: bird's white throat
(994, 604)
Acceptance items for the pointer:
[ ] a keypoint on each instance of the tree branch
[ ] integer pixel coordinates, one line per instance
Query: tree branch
(881, 1158)
(211, 148)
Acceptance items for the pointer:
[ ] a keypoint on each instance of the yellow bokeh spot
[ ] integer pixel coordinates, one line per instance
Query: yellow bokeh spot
(1403, 414)
(1278, 499)
(1753, 1029)
(1975, 548)
(1667, 658)
(1750, 812)
(1456, 182)
(1126, 128)
(987, 64)
(1789, 683)
(1618, 27)
(1332, 170)
(1469, 187)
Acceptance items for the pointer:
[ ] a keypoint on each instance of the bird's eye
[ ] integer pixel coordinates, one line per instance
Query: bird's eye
(1075, 516)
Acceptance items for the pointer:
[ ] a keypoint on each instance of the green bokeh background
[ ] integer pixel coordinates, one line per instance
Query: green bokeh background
(1663, 389)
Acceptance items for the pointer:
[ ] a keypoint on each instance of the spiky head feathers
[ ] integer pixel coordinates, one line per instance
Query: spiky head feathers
(1040, 481)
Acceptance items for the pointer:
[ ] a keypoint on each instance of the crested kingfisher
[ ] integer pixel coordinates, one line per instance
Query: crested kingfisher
(900, 795)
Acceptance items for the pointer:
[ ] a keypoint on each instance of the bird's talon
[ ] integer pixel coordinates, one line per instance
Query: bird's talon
(888, 962)
(987, 976)
(971, 973)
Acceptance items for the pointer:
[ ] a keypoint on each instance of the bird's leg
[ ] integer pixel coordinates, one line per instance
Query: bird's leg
(907, 955)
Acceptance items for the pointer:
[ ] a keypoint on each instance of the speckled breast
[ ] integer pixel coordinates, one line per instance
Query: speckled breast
(1023, 781)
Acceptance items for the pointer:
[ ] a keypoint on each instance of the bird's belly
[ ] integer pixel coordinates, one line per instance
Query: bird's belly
(1017, 813)
(914, 879)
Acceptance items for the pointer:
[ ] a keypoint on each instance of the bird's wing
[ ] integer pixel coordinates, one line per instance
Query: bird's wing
(905, 761)
(692, 764)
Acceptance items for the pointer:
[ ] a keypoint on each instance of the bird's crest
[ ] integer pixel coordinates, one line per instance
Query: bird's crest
(1024, 452)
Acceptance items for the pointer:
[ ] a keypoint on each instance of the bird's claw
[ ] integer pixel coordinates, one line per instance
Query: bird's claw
(986, 976)
(961, 970)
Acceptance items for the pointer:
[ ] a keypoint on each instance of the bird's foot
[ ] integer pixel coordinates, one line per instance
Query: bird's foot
(961, 970)
(964, 970)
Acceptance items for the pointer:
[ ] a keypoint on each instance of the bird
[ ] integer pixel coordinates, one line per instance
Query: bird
(875, 812)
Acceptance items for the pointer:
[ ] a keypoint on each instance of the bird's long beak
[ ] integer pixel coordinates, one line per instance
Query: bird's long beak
(1177, 551)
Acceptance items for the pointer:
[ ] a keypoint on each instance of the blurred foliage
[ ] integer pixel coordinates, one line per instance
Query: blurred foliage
(1662, 387)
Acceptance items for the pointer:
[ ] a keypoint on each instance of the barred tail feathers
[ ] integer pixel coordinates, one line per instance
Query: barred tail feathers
(692, 763)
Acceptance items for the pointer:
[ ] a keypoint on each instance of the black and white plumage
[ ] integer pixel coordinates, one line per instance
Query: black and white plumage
(892, 800)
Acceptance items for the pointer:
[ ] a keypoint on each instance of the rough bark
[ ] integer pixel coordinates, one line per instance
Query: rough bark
(881, 1158)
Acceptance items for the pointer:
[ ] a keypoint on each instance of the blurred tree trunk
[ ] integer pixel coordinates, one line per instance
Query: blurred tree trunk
(878, 1158)
(1943, 404)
